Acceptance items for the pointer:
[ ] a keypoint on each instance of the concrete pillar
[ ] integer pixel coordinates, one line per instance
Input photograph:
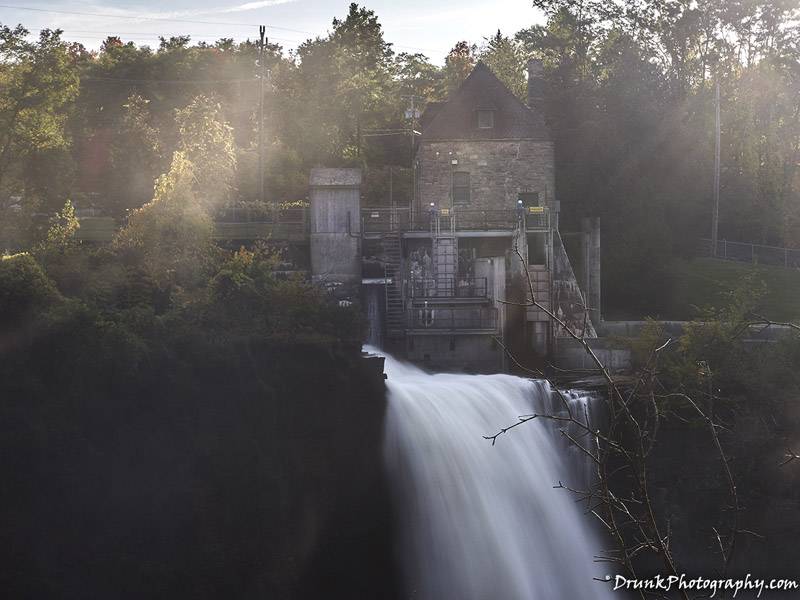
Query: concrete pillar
(494, 271)
(590, 246)
(335, 196)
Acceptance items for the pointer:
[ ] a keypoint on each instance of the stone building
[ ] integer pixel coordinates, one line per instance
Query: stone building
(446, 279)
(484, 149)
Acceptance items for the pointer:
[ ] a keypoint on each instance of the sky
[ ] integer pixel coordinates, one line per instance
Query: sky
(411, 25)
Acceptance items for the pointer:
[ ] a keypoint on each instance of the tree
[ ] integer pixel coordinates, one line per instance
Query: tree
(342, 87)
(25, 290)
(417, 76)
(458, 64)
(631, 108)
(504, 57)
(206, 142)
(178, 42)
(63, 228)
(171, 236)
(676, 390)
(38, 82)
(135, 156)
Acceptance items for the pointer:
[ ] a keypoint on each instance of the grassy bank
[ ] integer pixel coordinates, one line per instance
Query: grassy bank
(703, 282)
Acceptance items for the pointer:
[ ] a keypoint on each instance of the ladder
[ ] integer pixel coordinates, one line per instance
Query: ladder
(395, 313)
(445, 256)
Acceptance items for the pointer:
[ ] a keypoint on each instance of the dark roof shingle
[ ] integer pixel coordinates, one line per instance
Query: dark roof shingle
(456, 118)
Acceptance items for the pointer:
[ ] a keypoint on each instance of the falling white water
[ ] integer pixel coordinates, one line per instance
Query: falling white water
(478, 521)
(374, 320)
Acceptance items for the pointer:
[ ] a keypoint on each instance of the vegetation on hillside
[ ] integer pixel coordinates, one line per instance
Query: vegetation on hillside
(151, 395)
(149, 382)
(630, 103)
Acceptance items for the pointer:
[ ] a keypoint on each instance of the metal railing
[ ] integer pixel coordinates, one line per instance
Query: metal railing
(242, 223)
(235, 223)
(453, 319)
(448, 287)
(753, 253)
(537, 217)
(382, 220)
(261, 214)
(485, 220)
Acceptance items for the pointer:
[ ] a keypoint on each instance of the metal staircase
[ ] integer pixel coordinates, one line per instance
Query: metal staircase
(445, 250)
(395, 312)
(445, 258)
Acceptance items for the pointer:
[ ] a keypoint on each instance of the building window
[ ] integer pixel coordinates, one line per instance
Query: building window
(460, 188)
(485, 119)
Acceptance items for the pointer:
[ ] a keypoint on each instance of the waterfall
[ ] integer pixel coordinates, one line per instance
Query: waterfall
(479, 521)
(374, 296)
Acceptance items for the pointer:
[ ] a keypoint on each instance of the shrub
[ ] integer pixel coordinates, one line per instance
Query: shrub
(24, 289)
(171, 236)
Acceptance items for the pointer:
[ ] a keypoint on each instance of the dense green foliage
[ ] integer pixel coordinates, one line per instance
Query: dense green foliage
(195, 445)
(152, 392)
(717, 401)
(149, 383)
(632, 106)
(693, 285)
(727, 354)
(158, 392)
(630, 102)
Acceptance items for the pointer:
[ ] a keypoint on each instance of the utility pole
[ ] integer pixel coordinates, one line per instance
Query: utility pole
(262, 30)
(715, 214)
(412, 114)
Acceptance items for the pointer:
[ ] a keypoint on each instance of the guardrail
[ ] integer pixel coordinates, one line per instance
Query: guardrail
(484, 220)
(229, 224)
(448, 287)
(453, 319)
(383, 220)
(257, 214)
(753, 253)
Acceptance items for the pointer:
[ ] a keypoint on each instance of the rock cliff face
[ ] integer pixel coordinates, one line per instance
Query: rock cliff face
(242, 470)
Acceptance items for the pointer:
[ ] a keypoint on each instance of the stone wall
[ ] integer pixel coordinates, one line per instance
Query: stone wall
(477, 353)
(570, 354)
(498, 170)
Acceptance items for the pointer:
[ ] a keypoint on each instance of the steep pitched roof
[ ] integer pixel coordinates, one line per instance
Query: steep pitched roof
(456, 119)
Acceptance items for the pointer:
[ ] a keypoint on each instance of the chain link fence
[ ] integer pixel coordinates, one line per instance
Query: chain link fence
(756, 254)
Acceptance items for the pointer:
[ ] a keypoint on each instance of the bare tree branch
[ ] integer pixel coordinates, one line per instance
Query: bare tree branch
(622, 450)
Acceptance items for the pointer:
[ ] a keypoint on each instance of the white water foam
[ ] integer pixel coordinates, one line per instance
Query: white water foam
(477, 521)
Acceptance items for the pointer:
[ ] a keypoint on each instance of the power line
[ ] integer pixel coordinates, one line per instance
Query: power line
(134, 36)
(180, 81)
(151, 34)
(111, 16)
(175, 20)
(262, 66)
(142, 33)
(146, 18)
